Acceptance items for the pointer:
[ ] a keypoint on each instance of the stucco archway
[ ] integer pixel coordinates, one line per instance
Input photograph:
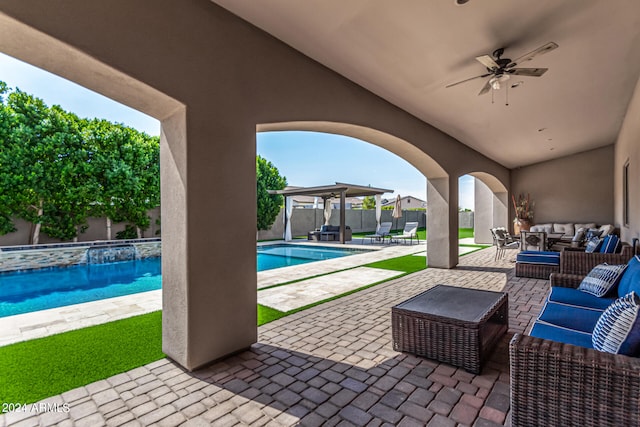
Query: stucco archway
(441, 252)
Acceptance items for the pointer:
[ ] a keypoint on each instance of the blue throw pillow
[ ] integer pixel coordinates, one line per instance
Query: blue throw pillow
(610, 244)
(618, 329)
(593, 245)
(602, 279)
(631, 278)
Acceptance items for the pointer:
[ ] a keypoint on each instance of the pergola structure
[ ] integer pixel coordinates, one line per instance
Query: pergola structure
(327, 192)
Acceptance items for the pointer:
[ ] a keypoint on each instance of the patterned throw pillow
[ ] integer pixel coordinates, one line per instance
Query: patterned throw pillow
(591, 233)
(593, 245)
(602, 279)
(618, 328)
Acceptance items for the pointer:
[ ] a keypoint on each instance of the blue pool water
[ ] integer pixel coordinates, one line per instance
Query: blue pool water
(24, 292)
(34, 290)
(277, 256)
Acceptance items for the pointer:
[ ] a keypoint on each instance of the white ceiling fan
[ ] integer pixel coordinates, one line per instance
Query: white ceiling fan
(501, 69)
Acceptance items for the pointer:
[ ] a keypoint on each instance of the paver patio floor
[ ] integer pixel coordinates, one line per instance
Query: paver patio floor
(329, 365)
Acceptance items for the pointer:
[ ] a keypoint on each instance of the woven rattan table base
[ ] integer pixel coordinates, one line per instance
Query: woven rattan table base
(464, 343)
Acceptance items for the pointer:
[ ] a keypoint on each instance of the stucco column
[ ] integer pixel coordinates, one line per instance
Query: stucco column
(490, 210)
(501, 209)
(442, 222)
(209, 270)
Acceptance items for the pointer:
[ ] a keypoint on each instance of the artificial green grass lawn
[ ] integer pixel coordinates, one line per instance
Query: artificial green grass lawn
(422, 233)
(43, 367)
(33, 370)
(407, 263)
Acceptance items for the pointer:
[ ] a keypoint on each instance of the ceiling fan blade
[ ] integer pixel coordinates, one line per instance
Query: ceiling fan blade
(530, 72)
(529, 56)
(485, 88)
(464, 81)
(488, 62)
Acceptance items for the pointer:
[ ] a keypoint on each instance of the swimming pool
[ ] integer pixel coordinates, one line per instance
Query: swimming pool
(284, 255)
(34, 290)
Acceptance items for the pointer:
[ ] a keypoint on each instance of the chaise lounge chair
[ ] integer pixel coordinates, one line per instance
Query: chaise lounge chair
(382, 231)
(410, 232)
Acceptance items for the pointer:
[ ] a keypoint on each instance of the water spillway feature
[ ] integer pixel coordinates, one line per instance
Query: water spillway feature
(105, 254)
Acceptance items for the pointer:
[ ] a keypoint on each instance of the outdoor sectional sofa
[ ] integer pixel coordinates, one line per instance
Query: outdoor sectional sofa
(557, 377)
(330, 233)
(540, 265)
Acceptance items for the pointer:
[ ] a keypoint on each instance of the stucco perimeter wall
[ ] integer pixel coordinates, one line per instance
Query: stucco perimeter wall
(62, 256)
(627, 150)
(577, 188)
(97, 230)
(213, 79)
(305, 220)
(359, 220)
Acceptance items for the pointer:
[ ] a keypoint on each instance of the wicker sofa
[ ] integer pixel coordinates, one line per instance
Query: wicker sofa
(556, 378)
(573, 234)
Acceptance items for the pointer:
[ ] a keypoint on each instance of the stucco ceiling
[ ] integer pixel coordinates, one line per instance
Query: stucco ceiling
(408, 51)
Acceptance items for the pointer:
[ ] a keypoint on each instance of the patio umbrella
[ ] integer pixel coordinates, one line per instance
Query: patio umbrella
(327, 210)
(378, 210)
(288, 206)
(397, 209)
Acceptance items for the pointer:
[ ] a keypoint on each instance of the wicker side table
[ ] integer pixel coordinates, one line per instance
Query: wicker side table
(454, 325)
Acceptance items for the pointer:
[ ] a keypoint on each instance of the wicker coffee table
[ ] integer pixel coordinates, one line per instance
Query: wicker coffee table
(454, 325)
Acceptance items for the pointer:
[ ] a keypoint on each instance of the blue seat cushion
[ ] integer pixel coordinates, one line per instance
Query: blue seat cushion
(618, 329)
(630, 280)
(570, 296)
(538, 257)
(602, 279)
(611, 244)
(560, 334)
(570, 316)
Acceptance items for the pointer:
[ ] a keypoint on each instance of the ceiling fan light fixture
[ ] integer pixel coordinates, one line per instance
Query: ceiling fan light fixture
(497, 80)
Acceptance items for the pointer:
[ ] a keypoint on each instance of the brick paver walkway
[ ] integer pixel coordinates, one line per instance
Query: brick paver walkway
(330, 365)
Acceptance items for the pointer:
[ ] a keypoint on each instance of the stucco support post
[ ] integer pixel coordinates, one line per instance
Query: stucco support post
(442, 222)
(343, 217)
(490, 210)
(208, 271)
(501, 209)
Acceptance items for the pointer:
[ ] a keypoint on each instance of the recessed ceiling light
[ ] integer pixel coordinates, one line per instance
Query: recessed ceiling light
(461, 2)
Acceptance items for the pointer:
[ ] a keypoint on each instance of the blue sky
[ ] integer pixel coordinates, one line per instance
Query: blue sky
(305, 158)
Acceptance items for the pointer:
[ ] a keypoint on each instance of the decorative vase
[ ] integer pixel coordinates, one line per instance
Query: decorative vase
(521, 225)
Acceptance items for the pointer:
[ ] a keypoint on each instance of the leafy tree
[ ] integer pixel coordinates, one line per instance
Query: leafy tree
(268, 178)
(6, 161)
(59, 169)
(41, 141)
(369, 202)
(125, 173)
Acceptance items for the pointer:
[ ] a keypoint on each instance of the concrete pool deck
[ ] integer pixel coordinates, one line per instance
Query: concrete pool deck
(333, 281)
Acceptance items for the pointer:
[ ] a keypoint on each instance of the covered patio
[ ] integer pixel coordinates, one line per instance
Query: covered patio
(330, 365)
(215, 73)
(327, 193)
